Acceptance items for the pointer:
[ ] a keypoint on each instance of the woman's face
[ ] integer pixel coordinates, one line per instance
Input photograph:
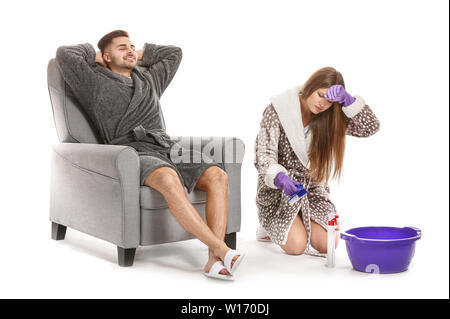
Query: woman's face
(317, 102)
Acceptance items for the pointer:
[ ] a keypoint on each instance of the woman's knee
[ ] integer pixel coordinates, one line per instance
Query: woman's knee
(295, 246)
(295, 250)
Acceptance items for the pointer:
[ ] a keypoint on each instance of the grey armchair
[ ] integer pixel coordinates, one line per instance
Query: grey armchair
(95, 187)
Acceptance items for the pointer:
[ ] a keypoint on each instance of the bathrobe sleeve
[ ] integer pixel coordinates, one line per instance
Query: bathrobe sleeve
(77, 65)
(362, 122)
(266, 147)
(162, 61)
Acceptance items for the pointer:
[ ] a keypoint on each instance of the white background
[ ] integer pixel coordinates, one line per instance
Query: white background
(236, 54)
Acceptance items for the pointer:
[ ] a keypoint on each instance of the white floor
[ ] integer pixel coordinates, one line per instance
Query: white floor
(85, 267)
(398, 177)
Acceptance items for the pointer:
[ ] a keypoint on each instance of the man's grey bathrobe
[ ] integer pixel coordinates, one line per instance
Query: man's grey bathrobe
(127, 111)
(281, 146)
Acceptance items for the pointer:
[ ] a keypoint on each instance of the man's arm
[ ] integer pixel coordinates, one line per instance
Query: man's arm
(99, 59)
(77, 64)
(162, 62)
(140, 54)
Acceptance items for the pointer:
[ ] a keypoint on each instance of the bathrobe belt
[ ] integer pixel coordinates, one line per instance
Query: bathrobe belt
(140, 133)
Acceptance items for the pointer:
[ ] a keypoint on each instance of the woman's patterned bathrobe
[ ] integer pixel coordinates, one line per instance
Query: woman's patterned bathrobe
(281, 146)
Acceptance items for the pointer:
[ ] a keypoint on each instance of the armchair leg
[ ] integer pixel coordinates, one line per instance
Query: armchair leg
(58, 231)
(126, 256)
(230, 240)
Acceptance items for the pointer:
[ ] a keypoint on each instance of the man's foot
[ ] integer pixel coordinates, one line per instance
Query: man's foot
(232, 260)
(211, 262)
(228, 256)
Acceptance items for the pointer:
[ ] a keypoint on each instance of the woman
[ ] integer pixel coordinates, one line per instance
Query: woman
(302, 136)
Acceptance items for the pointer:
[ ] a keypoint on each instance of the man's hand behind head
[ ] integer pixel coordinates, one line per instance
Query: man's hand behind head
(99, 59)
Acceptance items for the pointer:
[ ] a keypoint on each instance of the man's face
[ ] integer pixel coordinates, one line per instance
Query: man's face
(120, 54)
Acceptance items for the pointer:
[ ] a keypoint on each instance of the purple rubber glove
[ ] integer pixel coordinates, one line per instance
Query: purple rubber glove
(282, 181)
(337, 93)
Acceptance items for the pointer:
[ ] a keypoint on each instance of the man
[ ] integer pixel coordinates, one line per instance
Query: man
(122, 99)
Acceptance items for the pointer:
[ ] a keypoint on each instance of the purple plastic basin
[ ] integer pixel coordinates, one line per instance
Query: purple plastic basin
(381, 250)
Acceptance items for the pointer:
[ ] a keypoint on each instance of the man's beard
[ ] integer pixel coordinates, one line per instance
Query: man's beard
(129, 67)
(124, 65)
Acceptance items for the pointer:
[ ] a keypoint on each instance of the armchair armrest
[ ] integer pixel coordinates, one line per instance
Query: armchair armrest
(107, 160)
(95, 189)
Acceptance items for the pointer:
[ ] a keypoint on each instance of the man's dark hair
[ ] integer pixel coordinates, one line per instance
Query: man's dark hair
(107, 39)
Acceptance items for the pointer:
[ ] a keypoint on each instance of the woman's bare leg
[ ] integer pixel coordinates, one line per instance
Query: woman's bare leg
(297, 238)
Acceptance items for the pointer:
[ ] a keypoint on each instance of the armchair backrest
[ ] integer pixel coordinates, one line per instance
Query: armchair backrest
(72, 123)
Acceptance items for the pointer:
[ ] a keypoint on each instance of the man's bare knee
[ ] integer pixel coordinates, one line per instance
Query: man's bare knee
(213, 176)
(157, 175)
(220, 176)
(165, 180)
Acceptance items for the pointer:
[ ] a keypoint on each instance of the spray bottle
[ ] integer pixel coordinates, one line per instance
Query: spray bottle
(331, 241)
(298, 194)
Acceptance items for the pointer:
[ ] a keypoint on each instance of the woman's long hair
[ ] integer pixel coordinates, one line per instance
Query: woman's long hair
(327, 128)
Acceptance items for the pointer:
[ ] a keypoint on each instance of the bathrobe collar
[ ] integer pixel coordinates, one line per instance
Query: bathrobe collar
(287, 106)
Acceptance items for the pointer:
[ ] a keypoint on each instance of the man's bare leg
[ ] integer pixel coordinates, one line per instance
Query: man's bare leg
(166, 181)
(214, 181)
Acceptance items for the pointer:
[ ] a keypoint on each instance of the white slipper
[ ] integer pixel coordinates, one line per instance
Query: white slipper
(261, 234)
(214, 272)
(229, 258)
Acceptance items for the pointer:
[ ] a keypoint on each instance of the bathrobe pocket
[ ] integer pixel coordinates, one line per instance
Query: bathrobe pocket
(266, 196)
